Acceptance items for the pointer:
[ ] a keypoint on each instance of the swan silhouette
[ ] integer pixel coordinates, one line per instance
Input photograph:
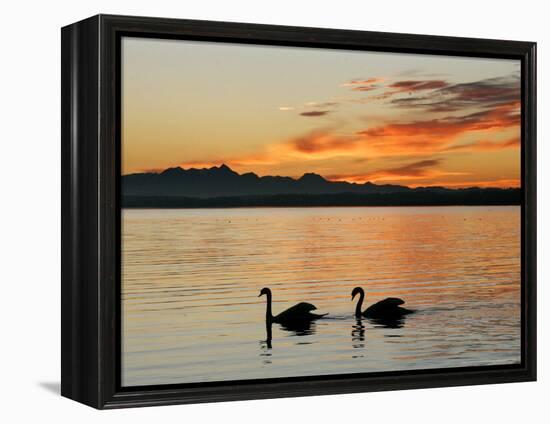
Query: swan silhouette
(387, 309)
(296, 316)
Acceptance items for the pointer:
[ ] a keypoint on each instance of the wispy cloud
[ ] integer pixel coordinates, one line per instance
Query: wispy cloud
(417, 85)
(485, 93)
(396, 87)
(418, 170)
(366, 84)
(365, 88)
(419, 73)
(366, 81)
(415, 169)
(315, 113)
(322, 104)
(325, 107)
(486, 145)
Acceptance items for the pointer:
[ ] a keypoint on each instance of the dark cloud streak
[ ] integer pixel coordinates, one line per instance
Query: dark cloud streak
(415, 169)
(315, 113)
(416, 85)
(486, 93)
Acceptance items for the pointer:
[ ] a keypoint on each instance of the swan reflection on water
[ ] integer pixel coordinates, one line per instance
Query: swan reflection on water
(302, 328)
(358, 329)
(265, 345)
(388, 322)
(358, 335)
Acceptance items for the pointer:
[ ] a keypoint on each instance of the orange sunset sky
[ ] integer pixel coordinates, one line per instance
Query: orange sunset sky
(414, 120)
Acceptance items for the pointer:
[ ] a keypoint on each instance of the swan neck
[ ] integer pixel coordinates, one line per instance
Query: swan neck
(359, 304)
(268, 314)
(268, 334)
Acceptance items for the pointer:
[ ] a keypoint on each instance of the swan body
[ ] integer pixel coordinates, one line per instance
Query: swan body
(297, 314)
(388, 308)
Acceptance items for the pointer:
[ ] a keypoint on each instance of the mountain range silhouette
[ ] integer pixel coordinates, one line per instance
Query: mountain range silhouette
(221, 186)
(223, 181)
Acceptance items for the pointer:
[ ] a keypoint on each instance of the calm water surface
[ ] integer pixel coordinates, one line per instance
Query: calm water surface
(191, 279)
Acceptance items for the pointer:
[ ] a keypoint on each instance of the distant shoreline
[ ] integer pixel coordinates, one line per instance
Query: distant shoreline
(464, 197)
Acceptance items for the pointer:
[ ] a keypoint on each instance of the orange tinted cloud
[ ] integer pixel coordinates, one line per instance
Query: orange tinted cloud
(413, 137)
(319, 141)
(500, 117)
(436, 134)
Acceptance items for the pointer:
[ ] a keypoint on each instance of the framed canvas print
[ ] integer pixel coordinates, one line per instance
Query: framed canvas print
(255, 211)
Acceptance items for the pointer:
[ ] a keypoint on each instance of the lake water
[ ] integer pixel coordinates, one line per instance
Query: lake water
(191, 279)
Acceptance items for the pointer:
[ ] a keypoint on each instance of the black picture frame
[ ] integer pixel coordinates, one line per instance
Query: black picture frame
(90, 238)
